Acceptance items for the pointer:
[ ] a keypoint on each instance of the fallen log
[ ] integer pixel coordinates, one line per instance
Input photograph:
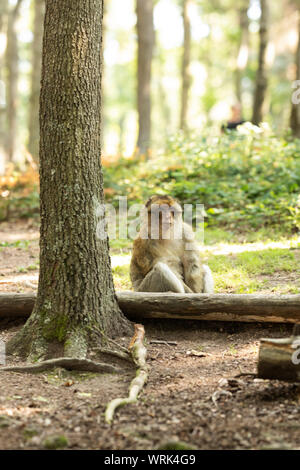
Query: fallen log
(279, 359)
(223, 307)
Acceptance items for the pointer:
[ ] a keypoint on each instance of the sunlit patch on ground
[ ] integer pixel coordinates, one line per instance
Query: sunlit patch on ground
(240, 263)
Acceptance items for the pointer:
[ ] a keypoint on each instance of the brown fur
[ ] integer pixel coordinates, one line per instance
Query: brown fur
(185, 264)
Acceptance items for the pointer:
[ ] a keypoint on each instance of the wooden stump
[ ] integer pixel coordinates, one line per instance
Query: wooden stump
(279, 359)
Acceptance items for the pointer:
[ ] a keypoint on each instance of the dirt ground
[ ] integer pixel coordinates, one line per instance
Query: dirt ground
(192, 394)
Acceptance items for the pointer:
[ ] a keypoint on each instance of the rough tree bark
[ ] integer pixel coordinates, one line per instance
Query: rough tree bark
(186, 59)
(12, 65)
(37, 43)
(261, 74)
(76, 296)
(243, 49)
(295, 114)
(145, 33)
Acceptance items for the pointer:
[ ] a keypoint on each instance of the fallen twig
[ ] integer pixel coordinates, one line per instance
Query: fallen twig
(216, 395)
(67, 363)
(168, 343)
(138, 353)
(245, 374)
(119, 354)
(113, 342)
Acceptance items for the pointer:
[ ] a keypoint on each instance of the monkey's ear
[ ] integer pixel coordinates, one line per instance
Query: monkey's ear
(150, 200)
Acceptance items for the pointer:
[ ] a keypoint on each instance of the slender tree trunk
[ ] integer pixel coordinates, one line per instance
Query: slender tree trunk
(243, 50)
(76, 296)
(295, 114)
(38, 27)
(12, 64)
(261, 74)
(145, 33)
(186, 59)
(3, 30)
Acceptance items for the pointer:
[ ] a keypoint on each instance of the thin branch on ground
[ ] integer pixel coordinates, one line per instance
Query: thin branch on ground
(118, 354)
(245, 374)
(168, 343)
(138, 353)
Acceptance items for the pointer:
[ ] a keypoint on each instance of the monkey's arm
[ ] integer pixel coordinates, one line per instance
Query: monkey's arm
(193, 271)
(192, 266)
(136, 275)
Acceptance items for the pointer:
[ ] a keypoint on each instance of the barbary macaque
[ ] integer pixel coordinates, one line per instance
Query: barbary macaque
(165, 255)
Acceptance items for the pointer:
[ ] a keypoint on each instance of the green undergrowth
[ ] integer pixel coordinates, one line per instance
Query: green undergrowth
(240, 262)
(249, 178)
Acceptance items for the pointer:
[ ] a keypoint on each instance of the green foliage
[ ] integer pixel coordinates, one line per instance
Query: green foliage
(252, 271)
(245, 179)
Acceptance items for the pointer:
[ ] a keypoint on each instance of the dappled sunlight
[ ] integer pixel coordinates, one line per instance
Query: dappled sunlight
(20, 282)
(120, 260)
(20, 278)
(23, 411)
(228, 248)
(18, 235)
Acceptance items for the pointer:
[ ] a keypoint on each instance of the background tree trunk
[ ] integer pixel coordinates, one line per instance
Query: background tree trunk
(186, 59)
(145, 33)
(37, 43)
(3, 29)
(261, 74)
(76, 296)
(243, 50)
(12, 64)
(295, 114)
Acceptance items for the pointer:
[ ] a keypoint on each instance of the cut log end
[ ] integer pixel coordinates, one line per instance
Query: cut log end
(279, 359)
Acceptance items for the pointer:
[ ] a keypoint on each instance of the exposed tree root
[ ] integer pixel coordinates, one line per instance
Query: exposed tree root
(67, 363)
(138, 353)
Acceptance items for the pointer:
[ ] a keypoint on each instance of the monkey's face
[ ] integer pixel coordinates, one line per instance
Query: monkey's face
(164, 217)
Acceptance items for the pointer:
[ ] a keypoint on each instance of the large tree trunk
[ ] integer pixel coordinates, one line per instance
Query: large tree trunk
(243, 49)
(76, 297)
(186, 59)
(3, 30)
(37, 43)
(295, 114)
(145, 33)
(261, 74)
(12, 64)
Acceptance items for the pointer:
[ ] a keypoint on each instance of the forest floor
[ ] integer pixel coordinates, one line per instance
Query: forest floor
(192, 395)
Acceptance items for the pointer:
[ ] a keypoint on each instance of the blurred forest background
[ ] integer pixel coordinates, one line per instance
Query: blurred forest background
(172, 70)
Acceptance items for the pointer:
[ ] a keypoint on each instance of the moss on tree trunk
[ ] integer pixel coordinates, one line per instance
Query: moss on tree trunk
(76, 297)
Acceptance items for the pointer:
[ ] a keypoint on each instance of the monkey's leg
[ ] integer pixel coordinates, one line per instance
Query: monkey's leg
(161, 279)
(208, 280)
